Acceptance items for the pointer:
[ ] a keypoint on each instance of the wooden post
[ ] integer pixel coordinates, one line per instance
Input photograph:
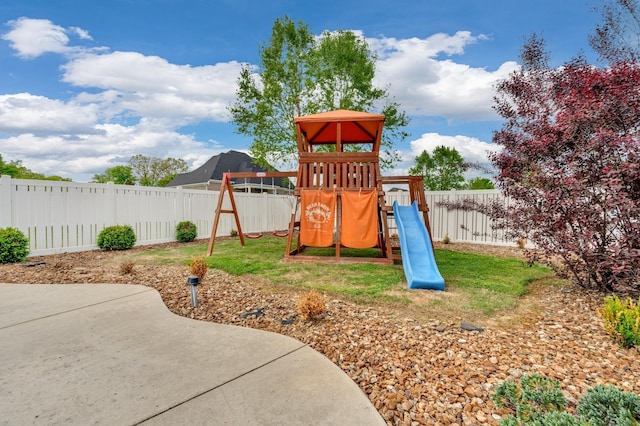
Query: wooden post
(226, 186)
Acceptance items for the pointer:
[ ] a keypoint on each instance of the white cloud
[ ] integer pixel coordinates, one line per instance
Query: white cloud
(151, 86)
(24, 112)
(83, 34)
(426, 85)
(82, 155)
(473, 151)
(34, 37)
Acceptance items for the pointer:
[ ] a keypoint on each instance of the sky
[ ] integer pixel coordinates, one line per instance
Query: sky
(85, 85)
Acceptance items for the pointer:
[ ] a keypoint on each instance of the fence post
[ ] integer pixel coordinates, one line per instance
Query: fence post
(180, 213)
(112, 209)
(5, 202)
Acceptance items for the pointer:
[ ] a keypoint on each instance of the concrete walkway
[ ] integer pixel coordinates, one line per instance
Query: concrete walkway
(114, 354)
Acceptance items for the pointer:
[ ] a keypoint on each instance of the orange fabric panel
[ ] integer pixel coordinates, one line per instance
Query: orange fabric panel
(317, 217)
(359, 219)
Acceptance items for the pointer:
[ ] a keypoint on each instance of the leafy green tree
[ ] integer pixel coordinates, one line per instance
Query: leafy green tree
(617, 38)
(153, 171)
(443, 170)
(480, 183)
(301, 75)
(267, 103)
(122, 175)
(16, 170)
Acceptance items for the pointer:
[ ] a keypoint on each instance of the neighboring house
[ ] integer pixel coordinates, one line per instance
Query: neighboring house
(209, 175)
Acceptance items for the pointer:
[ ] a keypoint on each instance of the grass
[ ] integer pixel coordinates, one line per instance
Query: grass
(477, 286)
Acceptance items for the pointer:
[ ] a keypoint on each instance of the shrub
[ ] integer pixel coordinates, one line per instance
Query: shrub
(569, 163)
(622, 320)
(538, 401)
(310, 305)
(536, 397)
(198, 267)
(607, 405)
(117, 237)
(126, 267)
(14, 246)
(186, 231)
(521, 243)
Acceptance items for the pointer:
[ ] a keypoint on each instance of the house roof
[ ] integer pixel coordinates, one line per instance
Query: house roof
(232, 161)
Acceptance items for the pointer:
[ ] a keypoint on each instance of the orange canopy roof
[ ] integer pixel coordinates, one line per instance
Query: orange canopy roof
(355, 127)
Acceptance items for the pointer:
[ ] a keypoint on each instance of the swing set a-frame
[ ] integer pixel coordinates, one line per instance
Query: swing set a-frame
(340, 201)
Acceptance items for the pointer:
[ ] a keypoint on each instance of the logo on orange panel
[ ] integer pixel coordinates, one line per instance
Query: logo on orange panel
(318, 214)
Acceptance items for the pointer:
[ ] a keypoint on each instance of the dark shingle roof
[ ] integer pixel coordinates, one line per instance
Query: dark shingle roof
(232, 161)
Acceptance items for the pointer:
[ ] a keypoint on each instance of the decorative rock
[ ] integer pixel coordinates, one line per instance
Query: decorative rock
(470, 327)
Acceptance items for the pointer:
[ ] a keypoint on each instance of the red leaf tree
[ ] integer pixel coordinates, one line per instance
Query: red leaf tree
(570, 163)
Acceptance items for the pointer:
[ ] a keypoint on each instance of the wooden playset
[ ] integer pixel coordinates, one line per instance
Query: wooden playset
(340, 200)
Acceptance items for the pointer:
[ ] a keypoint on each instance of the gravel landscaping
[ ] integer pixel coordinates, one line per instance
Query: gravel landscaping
(416, 369)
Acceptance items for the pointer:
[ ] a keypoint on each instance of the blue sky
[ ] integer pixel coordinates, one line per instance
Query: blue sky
(84, 85)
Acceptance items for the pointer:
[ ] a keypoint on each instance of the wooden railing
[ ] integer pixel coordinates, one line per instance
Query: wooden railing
(338, 170)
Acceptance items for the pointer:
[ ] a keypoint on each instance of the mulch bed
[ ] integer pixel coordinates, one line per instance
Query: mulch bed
(415, 370)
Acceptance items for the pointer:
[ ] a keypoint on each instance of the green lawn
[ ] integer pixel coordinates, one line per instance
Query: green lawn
(475, 284)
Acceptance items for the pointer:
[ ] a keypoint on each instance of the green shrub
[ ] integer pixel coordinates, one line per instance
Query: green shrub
(622, 320)
(538, 401)
(607, 405)
(117, 237)
(14, 246)
(186, 231)
(532, 400)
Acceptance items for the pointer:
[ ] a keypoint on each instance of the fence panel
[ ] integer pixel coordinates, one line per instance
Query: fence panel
(458, 225)
(68, 216)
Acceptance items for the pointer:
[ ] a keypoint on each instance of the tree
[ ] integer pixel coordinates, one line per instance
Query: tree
(569, 163)
(480, 183)
(153, 171)
(342, 69)
(16, 170)
(442, 171)
(121, 175)
(617, 38)
(300, 75)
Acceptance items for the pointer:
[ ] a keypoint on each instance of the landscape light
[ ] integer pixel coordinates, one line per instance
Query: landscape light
(192, 281)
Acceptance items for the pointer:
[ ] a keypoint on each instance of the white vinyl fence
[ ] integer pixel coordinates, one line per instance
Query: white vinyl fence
(67, 216)
(458, 225)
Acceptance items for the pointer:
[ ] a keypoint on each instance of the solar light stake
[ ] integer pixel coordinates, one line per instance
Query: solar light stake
(193, 282)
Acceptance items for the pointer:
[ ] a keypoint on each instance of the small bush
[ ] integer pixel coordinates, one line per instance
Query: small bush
(126, 267)
(521, 243)
(186, 231)
(607, 405)
(233, 233)
(536, 397)
(198, 267)
(117, 237)
(622, 320)
(310, 305)
(14, 246)
(538, 401)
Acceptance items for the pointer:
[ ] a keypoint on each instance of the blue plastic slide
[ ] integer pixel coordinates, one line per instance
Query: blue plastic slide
(417, 253)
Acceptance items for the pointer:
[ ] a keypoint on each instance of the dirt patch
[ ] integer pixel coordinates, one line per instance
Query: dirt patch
(416, 367)
(491, 250)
